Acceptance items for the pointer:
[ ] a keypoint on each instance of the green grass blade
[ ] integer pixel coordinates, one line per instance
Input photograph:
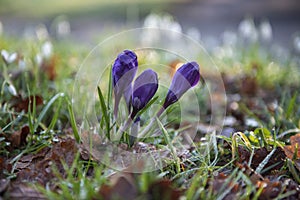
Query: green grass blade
(213, 142)
(12, 122)
(104, 113)
(55, 117)
(73, 122)
(293, 170)
(169, 143)
(31, 116)
(291, 106)
(33, 112)
(265, 161)
(46, 108)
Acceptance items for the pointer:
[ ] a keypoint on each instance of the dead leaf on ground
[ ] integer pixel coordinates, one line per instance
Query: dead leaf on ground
(163, 189)
(4, 183)
(290, 150)
(276, 160)
(220, 183)
(49, 66)
(271, 190)
(248, 171)
(18, 138)
(123, 188)
(19, 103)
(37, 167)
(2, 166)
(25, 192)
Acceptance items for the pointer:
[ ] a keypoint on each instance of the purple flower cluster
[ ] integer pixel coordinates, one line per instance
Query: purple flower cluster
(139, 93)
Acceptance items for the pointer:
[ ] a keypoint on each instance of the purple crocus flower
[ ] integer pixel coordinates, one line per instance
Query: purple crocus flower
(144, 88)
(186, 76)
(123, 72)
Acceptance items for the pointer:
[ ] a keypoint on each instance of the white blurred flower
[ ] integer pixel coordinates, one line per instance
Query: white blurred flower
(4, 55)
(167, 22)
(154, 22)
(41, 32)
(38, 59)
(150, 33)
(251, 122)
(265, 31)
(223, 52)
(296, 43)
(151, 21)
(194, 33)
(211, 43)
(63, 28)
(175, 26)
(12, 90)
(29, 33)
(12, 57)
(22, 64)
(248, 30)
(47, 49)
(8, 58)
(229, 38)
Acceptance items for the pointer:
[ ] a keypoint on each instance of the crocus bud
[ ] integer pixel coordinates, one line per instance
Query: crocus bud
(186, 76)
(123, 72)
(144, 88)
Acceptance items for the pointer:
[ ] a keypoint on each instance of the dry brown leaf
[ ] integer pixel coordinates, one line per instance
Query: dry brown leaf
(259, 155)
(23, 191)
(163, 189)
(249, 86)
(248, 171)
(2, 166)
(123, 188)
(49, 66)
(37, 167)
(4, 183)
(270, 189)
(18, 138)
(289, 150)
(219, 182)
(19, 103)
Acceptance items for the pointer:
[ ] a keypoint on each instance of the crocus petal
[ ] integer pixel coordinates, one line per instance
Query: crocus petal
(186, 76)
(145, 86)
(126, 61)
(123, 72)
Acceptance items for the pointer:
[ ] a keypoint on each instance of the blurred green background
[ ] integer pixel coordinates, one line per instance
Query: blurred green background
(211, 17)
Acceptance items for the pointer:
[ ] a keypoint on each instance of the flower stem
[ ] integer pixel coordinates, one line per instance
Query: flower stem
(162, 109)
(150, 125)
(122, 129)
(116, 107)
